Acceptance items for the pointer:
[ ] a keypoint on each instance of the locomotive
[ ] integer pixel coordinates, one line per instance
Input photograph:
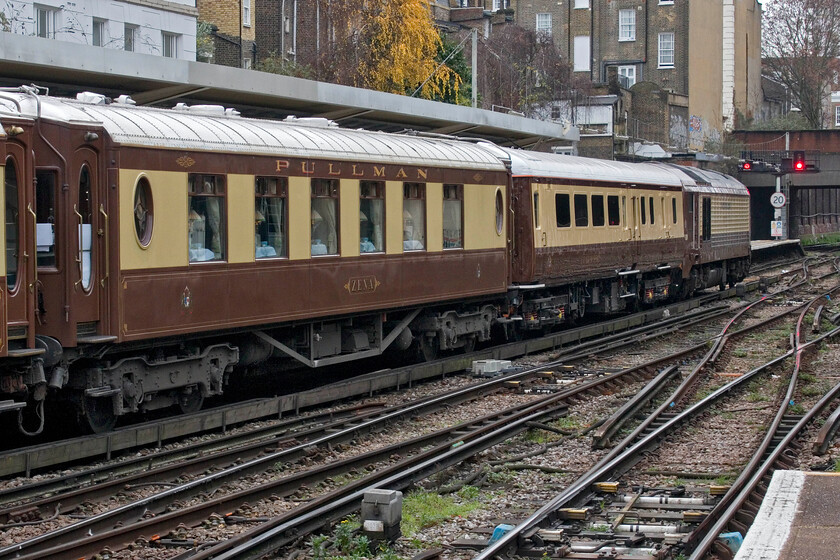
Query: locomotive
(153, 255)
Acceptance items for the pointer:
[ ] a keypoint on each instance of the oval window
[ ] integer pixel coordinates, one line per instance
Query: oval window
(12, 230)
(500, 212)
(143, 212)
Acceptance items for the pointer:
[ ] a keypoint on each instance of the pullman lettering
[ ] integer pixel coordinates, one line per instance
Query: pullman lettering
(353, 170)
(362, 285)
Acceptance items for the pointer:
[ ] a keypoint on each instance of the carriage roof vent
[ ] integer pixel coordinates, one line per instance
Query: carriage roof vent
(319, 122)
(91, 98)
(125, 100)
(209, 110)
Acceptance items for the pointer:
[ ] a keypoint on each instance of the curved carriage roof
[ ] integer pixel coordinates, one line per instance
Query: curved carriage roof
(537, 164)
(210, 129)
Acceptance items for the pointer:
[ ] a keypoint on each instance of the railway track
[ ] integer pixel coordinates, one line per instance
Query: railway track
(568, 355)
(701, 529)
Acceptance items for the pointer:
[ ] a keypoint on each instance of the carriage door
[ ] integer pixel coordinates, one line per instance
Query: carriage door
(20, 251)
(84, 245)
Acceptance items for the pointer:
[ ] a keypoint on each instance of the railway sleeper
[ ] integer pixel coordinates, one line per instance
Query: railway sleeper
(104, 392)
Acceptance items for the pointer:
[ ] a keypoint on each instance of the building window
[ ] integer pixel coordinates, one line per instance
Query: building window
(581, 211)
(270, 217)
(324, 217)
(666, 50)
(246, 13)
(837, 116)
(562, 210)
(582, 57)
(453, 219)
(206, 223)
(130, 37)
(371, 216)
(414, 216)
(170, 45)
(46, 21)
(98, 32)
(669, 2)
(544, 24)
(580, 4)
(626, 76)
(627, 25)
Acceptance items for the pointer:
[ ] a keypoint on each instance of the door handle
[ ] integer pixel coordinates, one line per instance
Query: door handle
(107, 254)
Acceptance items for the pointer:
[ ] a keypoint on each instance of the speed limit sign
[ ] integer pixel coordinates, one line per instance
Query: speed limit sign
(778, 200)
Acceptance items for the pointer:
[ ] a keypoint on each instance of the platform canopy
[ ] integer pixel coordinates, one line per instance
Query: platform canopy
(68, 68)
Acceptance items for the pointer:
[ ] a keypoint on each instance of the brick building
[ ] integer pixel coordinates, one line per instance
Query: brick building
(703, 55)
(234, 38)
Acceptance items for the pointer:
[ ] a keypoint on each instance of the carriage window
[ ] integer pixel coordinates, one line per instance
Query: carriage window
(371, 216)
(414, 216)
(674, 208)
(651, 211)
(581, 211)
(707, 219)
(642, 206)
(45, 184)
(270, 217)
(536, 210)
(143, 212)
(324, 217)
(597, 209)
(12, 223)
(562, 211)
(84, 213)
(612, 210)
(500, 212)
(206, 219)
(453, 231)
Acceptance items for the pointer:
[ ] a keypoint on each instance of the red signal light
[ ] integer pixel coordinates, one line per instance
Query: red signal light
(799, 160)
(799, 165)
(747, 166)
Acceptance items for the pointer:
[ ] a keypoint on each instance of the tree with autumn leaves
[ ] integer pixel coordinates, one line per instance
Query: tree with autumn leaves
(386, 45)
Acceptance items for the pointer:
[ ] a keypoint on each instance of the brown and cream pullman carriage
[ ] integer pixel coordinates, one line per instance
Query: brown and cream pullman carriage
(594, 236)
(189, 241)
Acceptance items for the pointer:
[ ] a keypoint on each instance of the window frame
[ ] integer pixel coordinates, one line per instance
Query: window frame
(218, 185)
(51, 215)
(837, 115)
(380, 196)
(546, 24)
(12, 193)
(320, 188)
(706, 223)
(130, 37)
(665, 51)
(171, 39)
(458, 189)
(144, 211)
(97, 32)
(584, 215)
(582, 63)
(246, 13)
(261, 192)
(563, 210)
(581, 4)
(602, 214)
(415, 191)
(652, 206)
(46, 21)
(626, 29)
(622, 73)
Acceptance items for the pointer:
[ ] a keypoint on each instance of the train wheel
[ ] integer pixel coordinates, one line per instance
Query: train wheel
(429, 347)
(191, 402)
(99, 413)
